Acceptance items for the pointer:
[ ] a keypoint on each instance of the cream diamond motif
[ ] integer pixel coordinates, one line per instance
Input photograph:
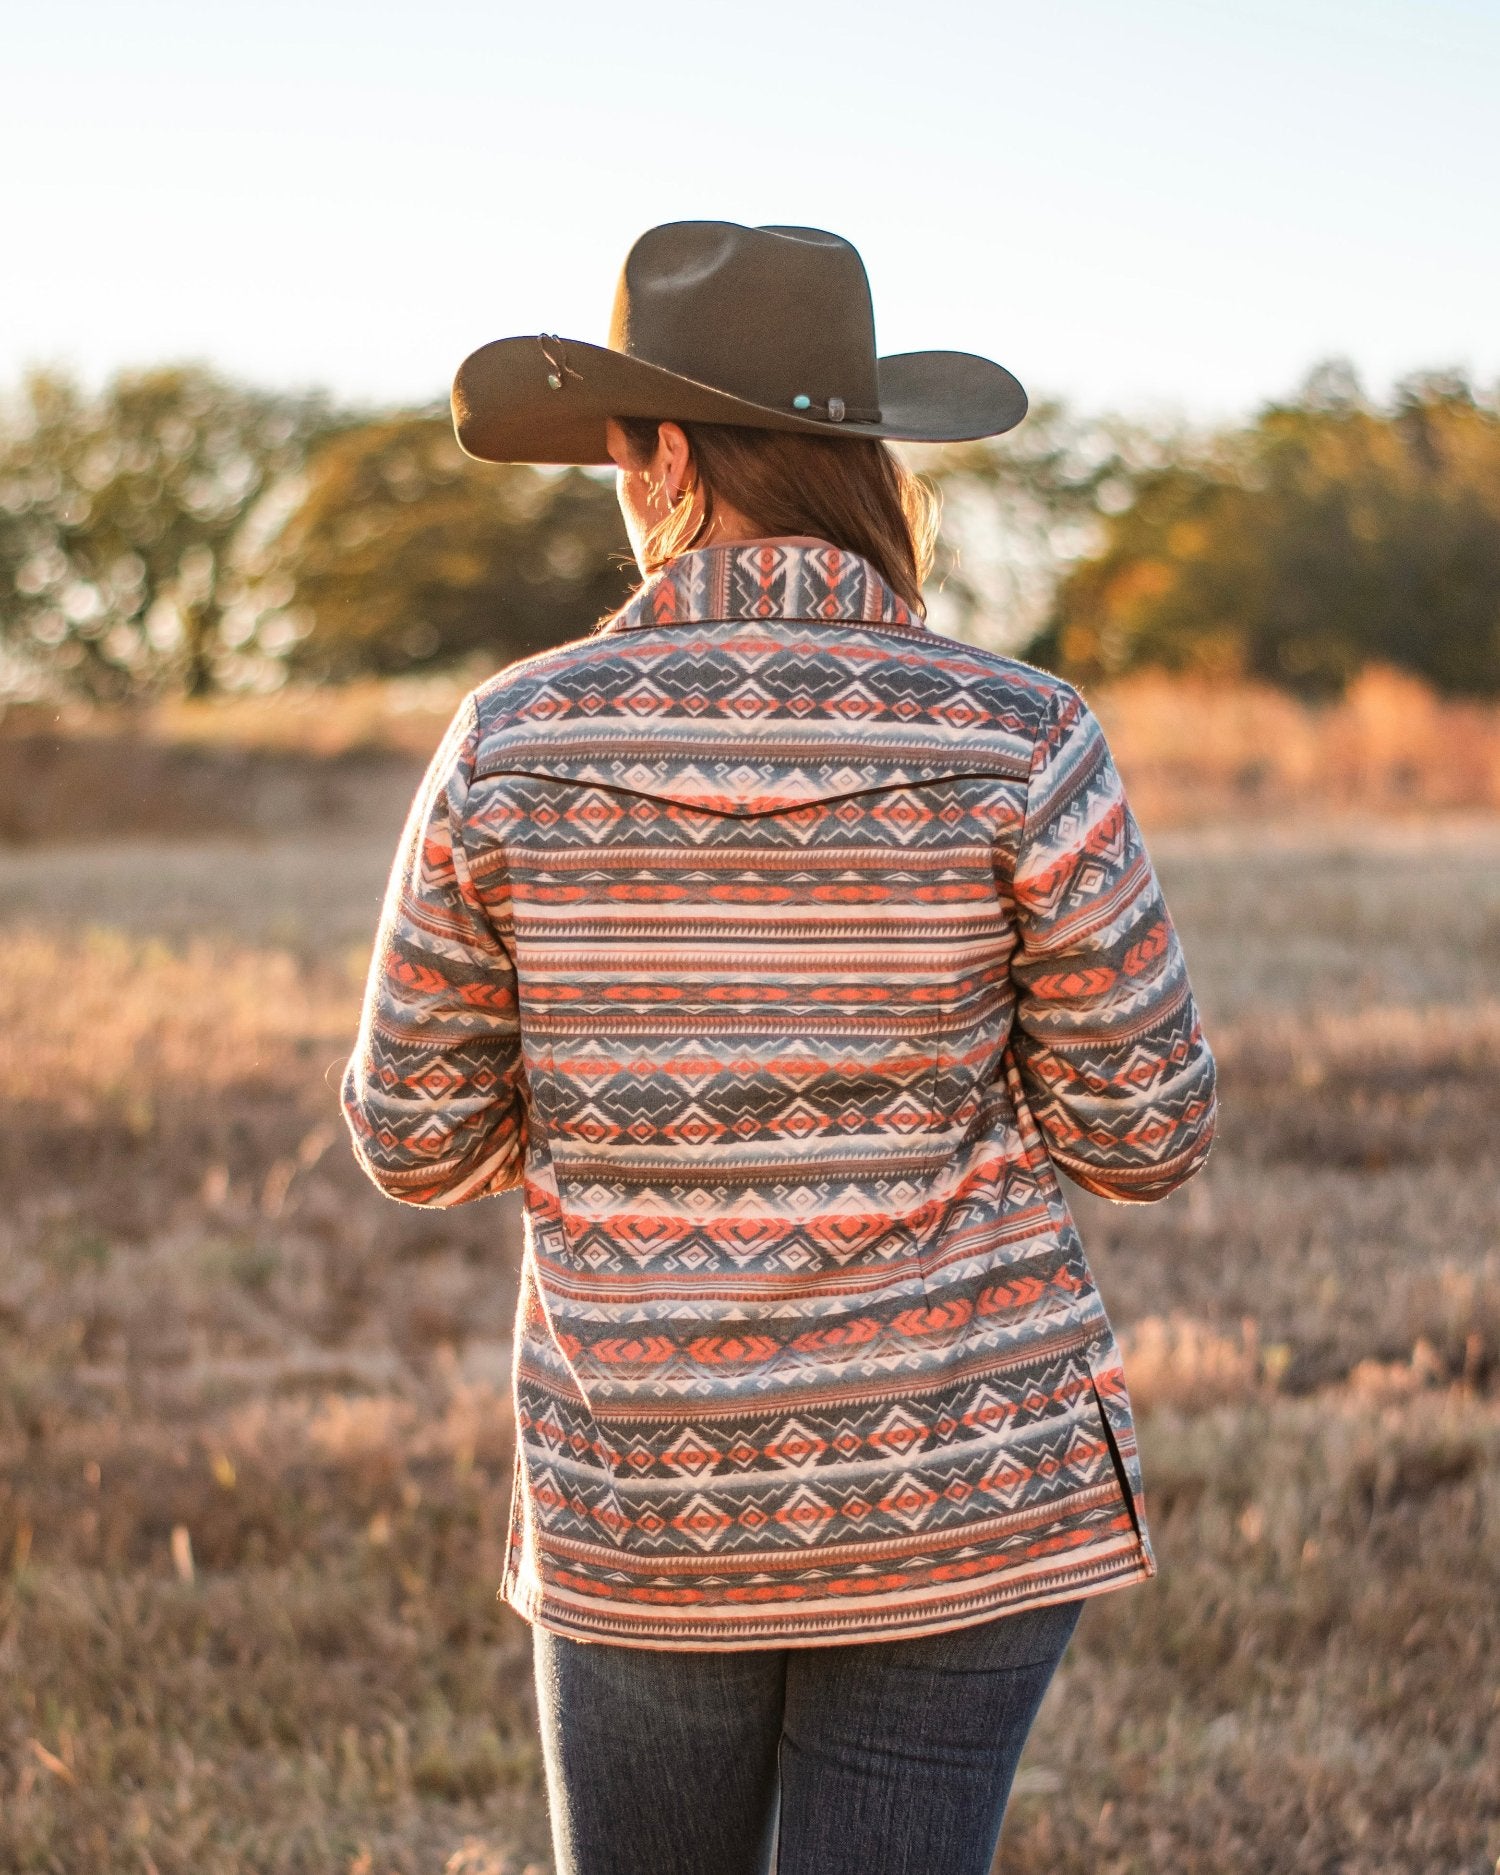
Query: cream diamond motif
(909, 1504)
(804, 1514)
(900, 1432)
(701, 1521)
(794, 1446)
(690, 1452)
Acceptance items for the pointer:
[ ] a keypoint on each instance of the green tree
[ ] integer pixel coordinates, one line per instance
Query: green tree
(403, 553)
(119, 517)
(1326, 534)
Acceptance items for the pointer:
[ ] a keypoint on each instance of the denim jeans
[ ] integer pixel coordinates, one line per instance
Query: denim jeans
(869, 1758)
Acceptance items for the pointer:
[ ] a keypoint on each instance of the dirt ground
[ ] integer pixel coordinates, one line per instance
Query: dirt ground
(254, 1425)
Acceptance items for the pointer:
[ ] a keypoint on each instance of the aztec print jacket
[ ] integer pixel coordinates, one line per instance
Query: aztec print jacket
(784, 950)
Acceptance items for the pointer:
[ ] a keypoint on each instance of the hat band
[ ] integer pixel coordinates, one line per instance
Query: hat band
(835, 410)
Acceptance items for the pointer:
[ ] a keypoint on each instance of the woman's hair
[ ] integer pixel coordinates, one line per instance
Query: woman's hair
(853, 493)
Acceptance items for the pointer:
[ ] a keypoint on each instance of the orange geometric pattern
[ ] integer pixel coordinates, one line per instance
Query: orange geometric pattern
(784, 950)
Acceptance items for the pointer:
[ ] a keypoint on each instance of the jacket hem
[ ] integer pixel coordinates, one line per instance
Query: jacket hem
(826, 1628)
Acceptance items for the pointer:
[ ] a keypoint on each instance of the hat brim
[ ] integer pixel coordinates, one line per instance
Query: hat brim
(505, 410)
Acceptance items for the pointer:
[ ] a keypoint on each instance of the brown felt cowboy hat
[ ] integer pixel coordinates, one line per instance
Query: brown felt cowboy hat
(715, 323)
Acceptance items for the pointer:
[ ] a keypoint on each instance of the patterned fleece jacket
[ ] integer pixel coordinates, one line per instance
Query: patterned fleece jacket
(784, 952)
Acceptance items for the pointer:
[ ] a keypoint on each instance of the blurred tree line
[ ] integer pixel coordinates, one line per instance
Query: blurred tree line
(176, 531)
(1324, 535)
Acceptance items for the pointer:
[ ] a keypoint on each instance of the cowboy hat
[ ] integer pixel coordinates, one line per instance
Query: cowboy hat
(715, 323)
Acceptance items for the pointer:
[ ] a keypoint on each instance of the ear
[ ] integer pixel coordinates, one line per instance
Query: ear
(674, 458)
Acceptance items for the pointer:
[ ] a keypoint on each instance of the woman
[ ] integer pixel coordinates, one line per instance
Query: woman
(783, 951)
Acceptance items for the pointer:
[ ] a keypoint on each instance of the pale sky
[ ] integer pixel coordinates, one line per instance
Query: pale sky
(1145, 205)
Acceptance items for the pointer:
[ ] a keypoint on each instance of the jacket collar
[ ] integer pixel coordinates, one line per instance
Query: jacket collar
(716, 584)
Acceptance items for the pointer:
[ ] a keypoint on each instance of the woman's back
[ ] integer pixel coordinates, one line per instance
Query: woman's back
(780, 946)
(782, 951)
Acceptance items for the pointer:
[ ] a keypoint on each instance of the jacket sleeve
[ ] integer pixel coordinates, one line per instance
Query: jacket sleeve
(1107, 1040)
(434, 1091)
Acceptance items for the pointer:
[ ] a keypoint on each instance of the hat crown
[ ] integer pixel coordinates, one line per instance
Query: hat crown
(769, 314)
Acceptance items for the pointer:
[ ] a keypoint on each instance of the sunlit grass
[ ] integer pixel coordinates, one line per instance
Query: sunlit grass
(255, 1429)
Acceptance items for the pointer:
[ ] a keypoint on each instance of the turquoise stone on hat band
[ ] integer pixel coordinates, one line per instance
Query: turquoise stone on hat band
(802, 401)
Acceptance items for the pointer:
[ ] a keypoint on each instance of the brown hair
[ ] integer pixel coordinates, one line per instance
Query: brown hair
(852, 492)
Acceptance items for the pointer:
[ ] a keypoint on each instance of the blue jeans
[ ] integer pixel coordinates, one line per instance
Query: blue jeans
(870, 1758)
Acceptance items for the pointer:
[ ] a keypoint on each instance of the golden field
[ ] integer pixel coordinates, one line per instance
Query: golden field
(254, 1422)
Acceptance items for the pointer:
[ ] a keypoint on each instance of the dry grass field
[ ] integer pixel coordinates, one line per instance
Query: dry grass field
(254, 1423)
